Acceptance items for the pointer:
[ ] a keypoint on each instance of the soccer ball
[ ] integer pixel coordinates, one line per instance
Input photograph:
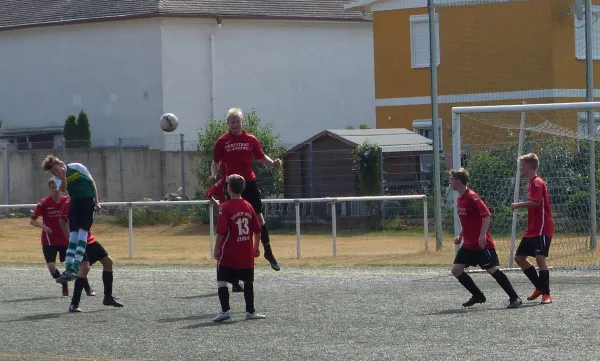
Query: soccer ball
(169, 122)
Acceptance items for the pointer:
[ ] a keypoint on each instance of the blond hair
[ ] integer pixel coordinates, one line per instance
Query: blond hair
(50, 161)
(237, 183)
(235, 113)
(461, 174)
(531, 159)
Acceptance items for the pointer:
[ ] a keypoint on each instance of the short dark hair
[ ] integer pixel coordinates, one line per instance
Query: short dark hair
(460, 174)
(237, 183)
(51, 182)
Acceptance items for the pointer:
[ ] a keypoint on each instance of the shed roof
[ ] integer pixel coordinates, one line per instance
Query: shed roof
(390, 140)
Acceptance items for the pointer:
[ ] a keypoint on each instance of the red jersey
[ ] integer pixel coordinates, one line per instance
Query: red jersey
(65, 215)
(237, 223)
(539, 220)
(237, 151)
(50, 211)
(471, 211)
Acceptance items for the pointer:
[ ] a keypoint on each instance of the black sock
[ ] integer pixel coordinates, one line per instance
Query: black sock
(86, 285)
(249, 296)
(56, 274)
(504, 282)
(224, 298)
(77, 291)
(469, 284)
(107, 279)
(531, 273)
(265, 240)
(545, 282)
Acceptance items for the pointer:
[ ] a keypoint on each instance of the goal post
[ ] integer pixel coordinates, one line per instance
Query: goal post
(487, 140)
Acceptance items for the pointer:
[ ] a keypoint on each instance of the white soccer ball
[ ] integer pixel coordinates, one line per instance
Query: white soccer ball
(168, 122)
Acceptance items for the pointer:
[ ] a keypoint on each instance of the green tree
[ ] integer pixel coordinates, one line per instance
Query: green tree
(84, 133)
(70, 131)
(367, 167)
(270, 180)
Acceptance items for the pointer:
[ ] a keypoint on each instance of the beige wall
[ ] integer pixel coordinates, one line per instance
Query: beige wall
(146, 173)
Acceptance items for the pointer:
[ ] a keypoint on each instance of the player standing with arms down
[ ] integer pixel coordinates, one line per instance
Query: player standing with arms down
(236, 149)
(237, 227)
(77, 180)
(477, 245)
(53, 239)
(540, 229)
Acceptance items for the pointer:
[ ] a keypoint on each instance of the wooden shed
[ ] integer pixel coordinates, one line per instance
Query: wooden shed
(322, 166)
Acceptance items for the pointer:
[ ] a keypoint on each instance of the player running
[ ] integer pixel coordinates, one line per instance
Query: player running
(477, 245)
(237, 226)
(236, 149)
(94, 253)
(54, 240)
(77, 180)
(540, 229)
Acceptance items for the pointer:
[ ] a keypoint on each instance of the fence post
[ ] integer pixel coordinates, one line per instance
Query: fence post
(5, 160)
(211, 221)
(334, 227)
(297, 208)
(130, 211)
(426, 223)
(311, 179)
(121, 170)
(182, 153)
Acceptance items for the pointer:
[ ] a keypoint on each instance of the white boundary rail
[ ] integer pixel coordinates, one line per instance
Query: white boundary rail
(296, 202)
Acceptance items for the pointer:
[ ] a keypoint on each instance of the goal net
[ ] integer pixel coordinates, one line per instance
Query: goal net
(487, 141)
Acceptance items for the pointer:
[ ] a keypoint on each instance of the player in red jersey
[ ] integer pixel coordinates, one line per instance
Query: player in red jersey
(94, 252)
(477, 244)
(53, 240)
(540, 229)
(237, 227)
(236, 149)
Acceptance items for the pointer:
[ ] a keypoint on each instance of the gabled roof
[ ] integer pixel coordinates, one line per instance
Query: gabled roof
(30, 13)
(390, 140)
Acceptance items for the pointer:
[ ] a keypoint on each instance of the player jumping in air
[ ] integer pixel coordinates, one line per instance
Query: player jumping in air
(94, 252)
(238, 235)
(540, 229)
(477, 245)
(54, 240)
(77, 180)
(236, 149)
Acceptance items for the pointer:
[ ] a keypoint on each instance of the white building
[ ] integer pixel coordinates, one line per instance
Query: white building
(304, 68)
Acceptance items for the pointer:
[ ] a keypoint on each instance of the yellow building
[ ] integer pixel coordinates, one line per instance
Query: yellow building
(490, 51)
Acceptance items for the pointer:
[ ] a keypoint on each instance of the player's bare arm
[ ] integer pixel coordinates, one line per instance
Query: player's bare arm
(96, 193)
(528, 204)
(459, 238)
(217, 252)
(64, 225)
(257, 244)
(214, 170)
(266, 160)
(36, 223)
(485, 225)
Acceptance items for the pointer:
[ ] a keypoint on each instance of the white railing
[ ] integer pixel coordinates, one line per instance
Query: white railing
(296, 202)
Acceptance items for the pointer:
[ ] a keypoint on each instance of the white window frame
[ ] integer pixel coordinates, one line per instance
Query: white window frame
(426, 124)
(579, 33)
(420, 19)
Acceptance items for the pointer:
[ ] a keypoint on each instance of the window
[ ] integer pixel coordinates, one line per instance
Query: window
(419, 40)
(424, 128)
(580, 47)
